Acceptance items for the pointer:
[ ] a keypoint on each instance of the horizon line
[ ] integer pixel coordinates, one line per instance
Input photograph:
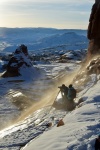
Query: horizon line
(47, 28)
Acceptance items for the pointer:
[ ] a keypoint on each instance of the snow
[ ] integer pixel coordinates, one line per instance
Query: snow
(33, 126)
(80, 129)
(81, 126)
(42, 38)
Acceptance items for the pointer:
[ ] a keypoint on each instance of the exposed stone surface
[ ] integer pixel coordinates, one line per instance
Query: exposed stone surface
(84, 76)
(19, 59)
(94, 30)
(94, 66)
(77, 55)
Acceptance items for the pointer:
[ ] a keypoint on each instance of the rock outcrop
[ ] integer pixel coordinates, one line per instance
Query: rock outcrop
(19, 59)
(94, 66)
(94, 30)
(85, 75)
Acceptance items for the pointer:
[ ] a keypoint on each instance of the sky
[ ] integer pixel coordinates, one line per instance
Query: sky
(45, 13)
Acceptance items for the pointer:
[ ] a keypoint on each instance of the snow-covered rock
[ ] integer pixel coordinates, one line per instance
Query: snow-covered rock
(19, 60)
(94, 66)
(20, 65)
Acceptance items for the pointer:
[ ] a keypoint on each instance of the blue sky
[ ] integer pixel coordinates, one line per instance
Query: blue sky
(45, 13)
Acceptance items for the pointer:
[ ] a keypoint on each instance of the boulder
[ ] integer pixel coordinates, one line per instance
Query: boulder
(18, 60)
(60, 123)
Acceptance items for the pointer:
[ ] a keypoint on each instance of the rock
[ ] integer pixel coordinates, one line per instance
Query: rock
(19, 59)
(85, 75)
(49, 124)
(60, 123)
(23, 49)
(94, 66)
(94, 30)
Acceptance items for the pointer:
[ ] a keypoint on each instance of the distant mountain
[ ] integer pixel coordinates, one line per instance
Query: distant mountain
(66, 38)
(68, 41)
(39, 38)
(36, 31)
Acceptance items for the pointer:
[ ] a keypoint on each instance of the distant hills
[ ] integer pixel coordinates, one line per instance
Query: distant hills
(42, 38)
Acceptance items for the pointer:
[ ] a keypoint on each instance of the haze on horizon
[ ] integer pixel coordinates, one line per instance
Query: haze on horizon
(42, 13)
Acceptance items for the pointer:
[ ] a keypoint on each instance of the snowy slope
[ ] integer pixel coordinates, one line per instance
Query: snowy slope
(80, 129)
(17, 134)
(81, 126)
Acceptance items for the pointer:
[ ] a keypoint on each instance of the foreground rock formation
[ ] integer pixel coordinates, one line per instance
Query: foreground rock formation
(94, 30)
(19, 59)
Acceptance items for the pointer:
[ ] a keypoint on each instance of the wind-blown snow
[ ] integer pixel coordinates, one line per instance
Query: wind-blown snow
(81, 127)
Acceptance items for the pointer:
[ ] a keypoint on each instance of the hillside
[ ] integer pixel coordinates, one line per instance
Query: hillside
(39, 123)
(42, 38)
(80, 129)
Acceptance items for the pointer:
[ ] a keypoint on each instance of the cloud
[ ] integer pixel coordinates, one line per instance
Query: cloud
(49, 1)
(46, 5)
(45, 12)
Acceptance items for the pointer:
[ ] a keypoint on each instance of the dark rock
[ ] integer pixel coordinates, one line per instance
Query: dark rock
(19, 59)
(23, 49)
(94, 30)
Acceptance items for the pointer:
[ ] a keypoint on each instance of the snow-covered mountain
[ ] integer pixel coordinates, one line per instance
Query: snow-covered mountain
(41, 38)
(69, 40)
